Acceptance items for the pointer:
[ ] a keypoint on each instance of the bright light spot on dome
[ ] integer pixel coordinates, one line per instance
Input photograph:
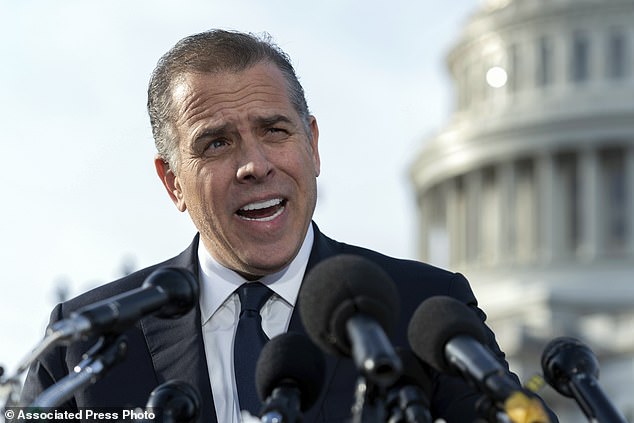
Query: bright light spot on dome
(496, 77)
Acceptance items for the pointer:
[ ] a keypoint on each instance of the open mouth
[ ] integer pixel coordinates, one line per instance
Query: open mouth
(263, 211)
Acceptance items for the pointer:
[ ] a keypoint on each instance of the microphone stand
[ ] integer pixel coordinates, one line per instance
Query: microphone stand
(63, 332)
(405, 405)
(369, 403)
(108, 351)
(54, 335)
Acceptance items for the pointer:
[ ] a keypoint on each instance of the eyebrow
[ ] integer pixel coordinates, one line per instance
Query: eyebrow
(212, 132)
(272, 120)
(218, 131)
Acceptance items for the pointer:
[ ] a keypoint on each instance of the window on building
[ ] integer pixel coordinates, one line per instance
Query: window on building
(613, 215)
(567, 195)
(460, 91)
(458, 234)
(545, 58)
(490, 226)
(478, 82)
(580, 60)
(617, 55)
(473, 194)
(525, 210)
(437, 228)
(514, 68)
(465, 88)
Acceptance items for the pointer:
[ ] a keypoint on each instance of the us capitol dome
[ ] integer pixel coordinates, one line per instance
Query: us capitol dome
(529, 188)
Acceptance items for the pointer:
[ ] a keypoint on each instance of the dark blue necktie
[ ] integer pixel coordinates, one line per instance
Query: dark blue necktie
(250, 338)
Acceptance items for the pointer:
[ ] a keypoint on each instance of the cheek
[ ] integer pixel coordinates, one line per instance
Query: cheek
(211, 191)
(302, 160)
(307, 173)
(311, 161)
(312, 165)
(193, 188)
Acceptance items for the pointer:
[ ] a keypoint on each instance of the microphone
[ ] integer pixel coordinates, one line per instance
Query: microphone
(347, 304)
(407, 400)
(288, 377)
(446, 334)
(167, 292)
(174, 401)
(572, 369)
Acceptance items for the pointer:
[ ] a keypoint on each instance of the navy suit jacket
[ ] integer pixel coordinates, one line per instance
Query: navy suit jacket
(164, 349)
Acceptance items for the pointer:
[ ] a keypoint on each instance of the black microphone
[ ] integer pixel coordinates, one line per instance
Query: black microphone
(408, 398)
(289, 376)
(347, 304)
(174, 401)
(447, 334)
(572, 369)
(167, 292)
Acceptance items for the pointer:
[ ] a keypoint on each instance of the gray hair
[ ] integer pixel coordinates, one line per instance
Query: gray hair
(211, 52)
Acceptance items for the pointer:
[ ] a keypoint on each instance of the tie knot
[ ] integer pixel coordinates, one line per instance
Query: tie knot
(253, 295)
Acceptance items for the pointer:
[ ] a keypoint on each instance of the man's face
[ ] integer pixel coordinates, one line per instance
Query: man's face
(247, 168)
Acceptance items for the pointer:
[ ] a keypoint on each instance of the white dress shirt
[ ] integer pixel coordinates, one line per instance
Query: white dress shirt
(220, 310)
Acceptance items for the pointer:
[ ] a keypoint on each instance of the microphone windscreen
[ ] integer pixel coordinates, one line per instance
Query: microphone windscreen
(414, 372)
(435, 322)
(565, 357)
(180, 286)
(340, 287)
(291, 358)
(175, 401)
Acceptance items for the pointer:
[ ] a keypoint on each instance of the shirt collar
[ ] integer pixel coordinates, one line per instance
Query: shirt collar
(217, 282)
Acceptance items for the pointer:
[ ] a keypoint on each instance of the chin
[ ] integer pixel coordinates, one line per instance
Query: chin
(268, 267)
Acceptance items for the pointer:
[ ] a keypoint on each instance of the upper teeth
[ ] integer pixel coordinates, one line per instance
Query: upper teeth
(262, 204)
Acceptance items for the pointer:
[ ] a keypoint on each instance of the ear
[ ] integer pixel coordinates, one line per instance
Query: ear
(170, 182)
(314, 144)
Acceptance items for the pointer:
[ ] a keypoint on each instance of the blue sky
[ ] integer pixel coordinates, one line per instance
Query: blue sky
(81, 196)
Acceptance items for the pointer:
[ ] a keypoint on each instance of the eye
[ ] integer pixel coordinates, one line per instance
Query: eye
(214, 147)
(217, 144)
(276, 133)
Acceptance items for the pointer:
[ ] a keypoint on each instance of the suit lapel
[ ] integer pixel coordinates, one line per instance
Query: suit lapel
(176, 345)
(323, 248)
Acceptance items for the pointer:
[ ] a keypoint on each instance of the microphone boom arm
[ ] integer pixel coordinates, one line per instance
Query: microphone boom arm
(104, 354)
(587, 389)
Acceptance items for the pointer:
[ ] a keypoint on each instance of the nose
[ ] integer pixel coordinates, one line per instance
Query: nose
(254, 165)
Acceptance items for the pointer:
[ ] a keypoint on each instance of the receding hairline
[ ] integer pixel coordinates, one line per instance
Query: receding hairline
(182, 78)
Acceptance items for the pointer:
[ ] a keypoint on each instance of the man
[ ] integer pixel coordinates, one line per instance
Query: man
(238, 150)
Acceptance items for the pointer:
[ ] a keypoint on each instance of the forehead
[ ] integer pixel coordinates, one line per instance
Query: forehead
(196, 95)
